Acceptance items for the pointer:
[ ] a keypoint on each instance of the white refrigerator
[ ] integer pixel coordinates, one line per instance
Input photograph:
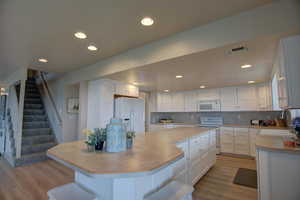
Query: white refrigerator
(132, 111)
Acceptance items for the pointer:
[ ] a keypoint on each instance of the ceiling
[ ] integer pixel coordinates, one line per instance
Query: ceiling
(213, 68)
(32, 29)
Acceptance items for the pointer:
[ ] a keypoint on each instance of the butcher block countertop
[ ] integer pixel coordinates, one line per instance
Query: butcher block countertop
(151, 151)
(274, 143)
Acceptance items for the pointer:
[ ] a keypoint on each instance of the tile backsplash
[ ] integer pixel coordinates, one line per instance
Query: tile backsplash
(228, 117)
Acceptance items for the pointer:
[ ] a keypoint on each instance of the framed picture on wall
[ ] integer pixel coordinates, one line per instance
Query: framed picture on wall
(73, 105)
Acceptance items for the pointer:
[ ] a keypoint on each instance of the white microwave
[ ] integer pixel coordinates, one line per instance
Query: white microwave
(209, 105)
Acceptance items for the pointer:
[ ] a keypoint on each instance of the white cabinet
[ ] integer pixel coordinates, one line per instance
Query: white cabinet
(126, 90)
(288, 60)
(229, 100)
(208, 94)
(246, 98)
(227, 139)
(235, 140)
(191, 101)
(264, 96)
(252, 136)
(170, 102)
(241, 141)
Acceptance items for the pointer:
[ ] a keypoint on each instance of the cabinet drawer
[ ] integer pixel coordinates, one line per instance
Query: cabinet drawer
(242, 149)
(226, 138)
(182, 177)
(241, 140)
(227, 147)
(179, 166)
(227, 130)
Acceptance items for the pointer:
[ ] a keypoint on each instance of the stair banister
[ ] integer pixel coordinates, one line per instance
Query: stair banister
(50, 97)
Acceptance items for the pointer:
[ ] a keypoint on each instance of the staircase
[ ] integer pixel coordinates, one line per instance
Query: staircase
(37, 136)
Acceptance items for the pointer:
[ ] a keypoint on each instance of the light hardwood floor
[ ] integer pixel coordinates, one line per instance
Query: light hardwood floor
(32, 182)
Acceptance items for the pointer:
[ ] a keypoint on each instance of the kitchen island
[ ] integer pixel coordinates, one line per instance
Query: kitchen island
(278, 169)
(182, 154)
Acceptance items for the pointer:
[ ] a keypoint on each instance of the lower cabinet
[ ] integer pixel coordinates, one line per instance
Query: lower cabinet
(199, 157)
(235, 140)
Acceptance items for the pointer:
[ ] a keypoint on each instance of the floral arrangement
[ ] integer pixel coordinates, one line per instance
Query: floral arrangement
(130, 134)
(94, 137)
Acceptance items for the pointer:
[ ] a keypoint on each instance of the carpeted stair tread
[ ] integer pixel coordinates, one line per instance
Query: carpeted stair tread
(36, 131)
(29, 149)
(37, 139)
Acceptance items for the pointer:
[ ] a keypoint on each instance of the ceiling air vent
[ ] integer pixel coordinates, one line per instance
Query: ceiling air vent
(238, 49)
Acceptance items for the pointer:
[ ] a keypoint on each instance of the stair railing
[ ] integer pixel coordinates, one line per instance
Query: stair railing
(16, 113)
(50, 97)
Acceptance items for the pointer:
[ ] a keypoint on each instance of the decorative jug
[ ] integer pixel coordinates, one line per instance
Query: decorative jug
(116, 136)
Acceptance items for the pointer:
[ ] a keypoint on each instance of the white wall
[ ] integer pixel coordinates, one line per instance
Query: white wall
(70, 121)
(276, 18)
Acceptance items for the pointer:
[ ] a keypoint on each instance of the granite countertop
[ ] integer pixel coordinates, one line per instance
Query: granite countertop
(274, 143)
(150, 151)
(177, 123)
(258, 127)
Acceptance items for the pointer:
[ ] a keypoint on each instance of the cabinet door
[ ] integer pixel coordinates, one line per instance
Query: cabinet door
(177, 102)
(209, 94)
(247, 98)
(264, 96)
(241, 141)
(252, 135)
(227, 139)
(164, 102)
(228, 99)
(190, 101)
(282, 79)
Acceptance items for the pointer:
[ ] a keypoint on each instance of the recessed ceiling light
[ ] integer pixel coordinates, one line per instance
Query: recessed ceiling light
(179, 76)
(92, 48)
(135, 83)
(80, 35)
(166, 90)
(147, 21)
(281, 78)
(246, 66)
(43, 60)
(202, 86)
(250, 82)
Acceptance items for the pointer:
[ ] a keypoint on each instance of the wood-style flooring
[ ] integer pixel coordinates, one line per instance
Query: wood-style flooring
(217, 184)
(32, 182)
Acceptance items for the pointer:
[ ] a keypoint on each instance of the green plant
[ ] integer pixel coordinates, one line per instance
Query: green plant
(91, 139)
(100, 134)
(130, 134)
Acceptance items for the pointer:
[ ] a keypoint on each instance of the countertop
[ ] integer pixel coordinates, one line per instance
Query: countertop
(256, 127)
(177, 123)
(274, 143)
(151, 151)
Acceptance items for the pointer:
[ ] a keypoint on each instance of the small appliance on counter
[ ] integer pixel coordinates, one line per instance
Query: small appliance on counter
(166, 121)
(256, 122)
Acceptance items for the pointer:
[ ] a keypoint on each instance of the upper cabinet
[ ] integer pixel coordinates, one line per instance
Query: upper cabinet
(244, 98)
(229, 100)
(126, 89)
(288, 70)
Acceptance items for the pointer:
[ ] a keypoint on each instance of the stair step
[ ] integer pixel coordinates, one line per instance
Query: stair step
(31, 158)
(34, 112)
(33, 100)
(29, 118)
(32, 90)
(32, 95)
(29, 149)
(33, 106)
(35, 124)
(36, 131)
(39, 139)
